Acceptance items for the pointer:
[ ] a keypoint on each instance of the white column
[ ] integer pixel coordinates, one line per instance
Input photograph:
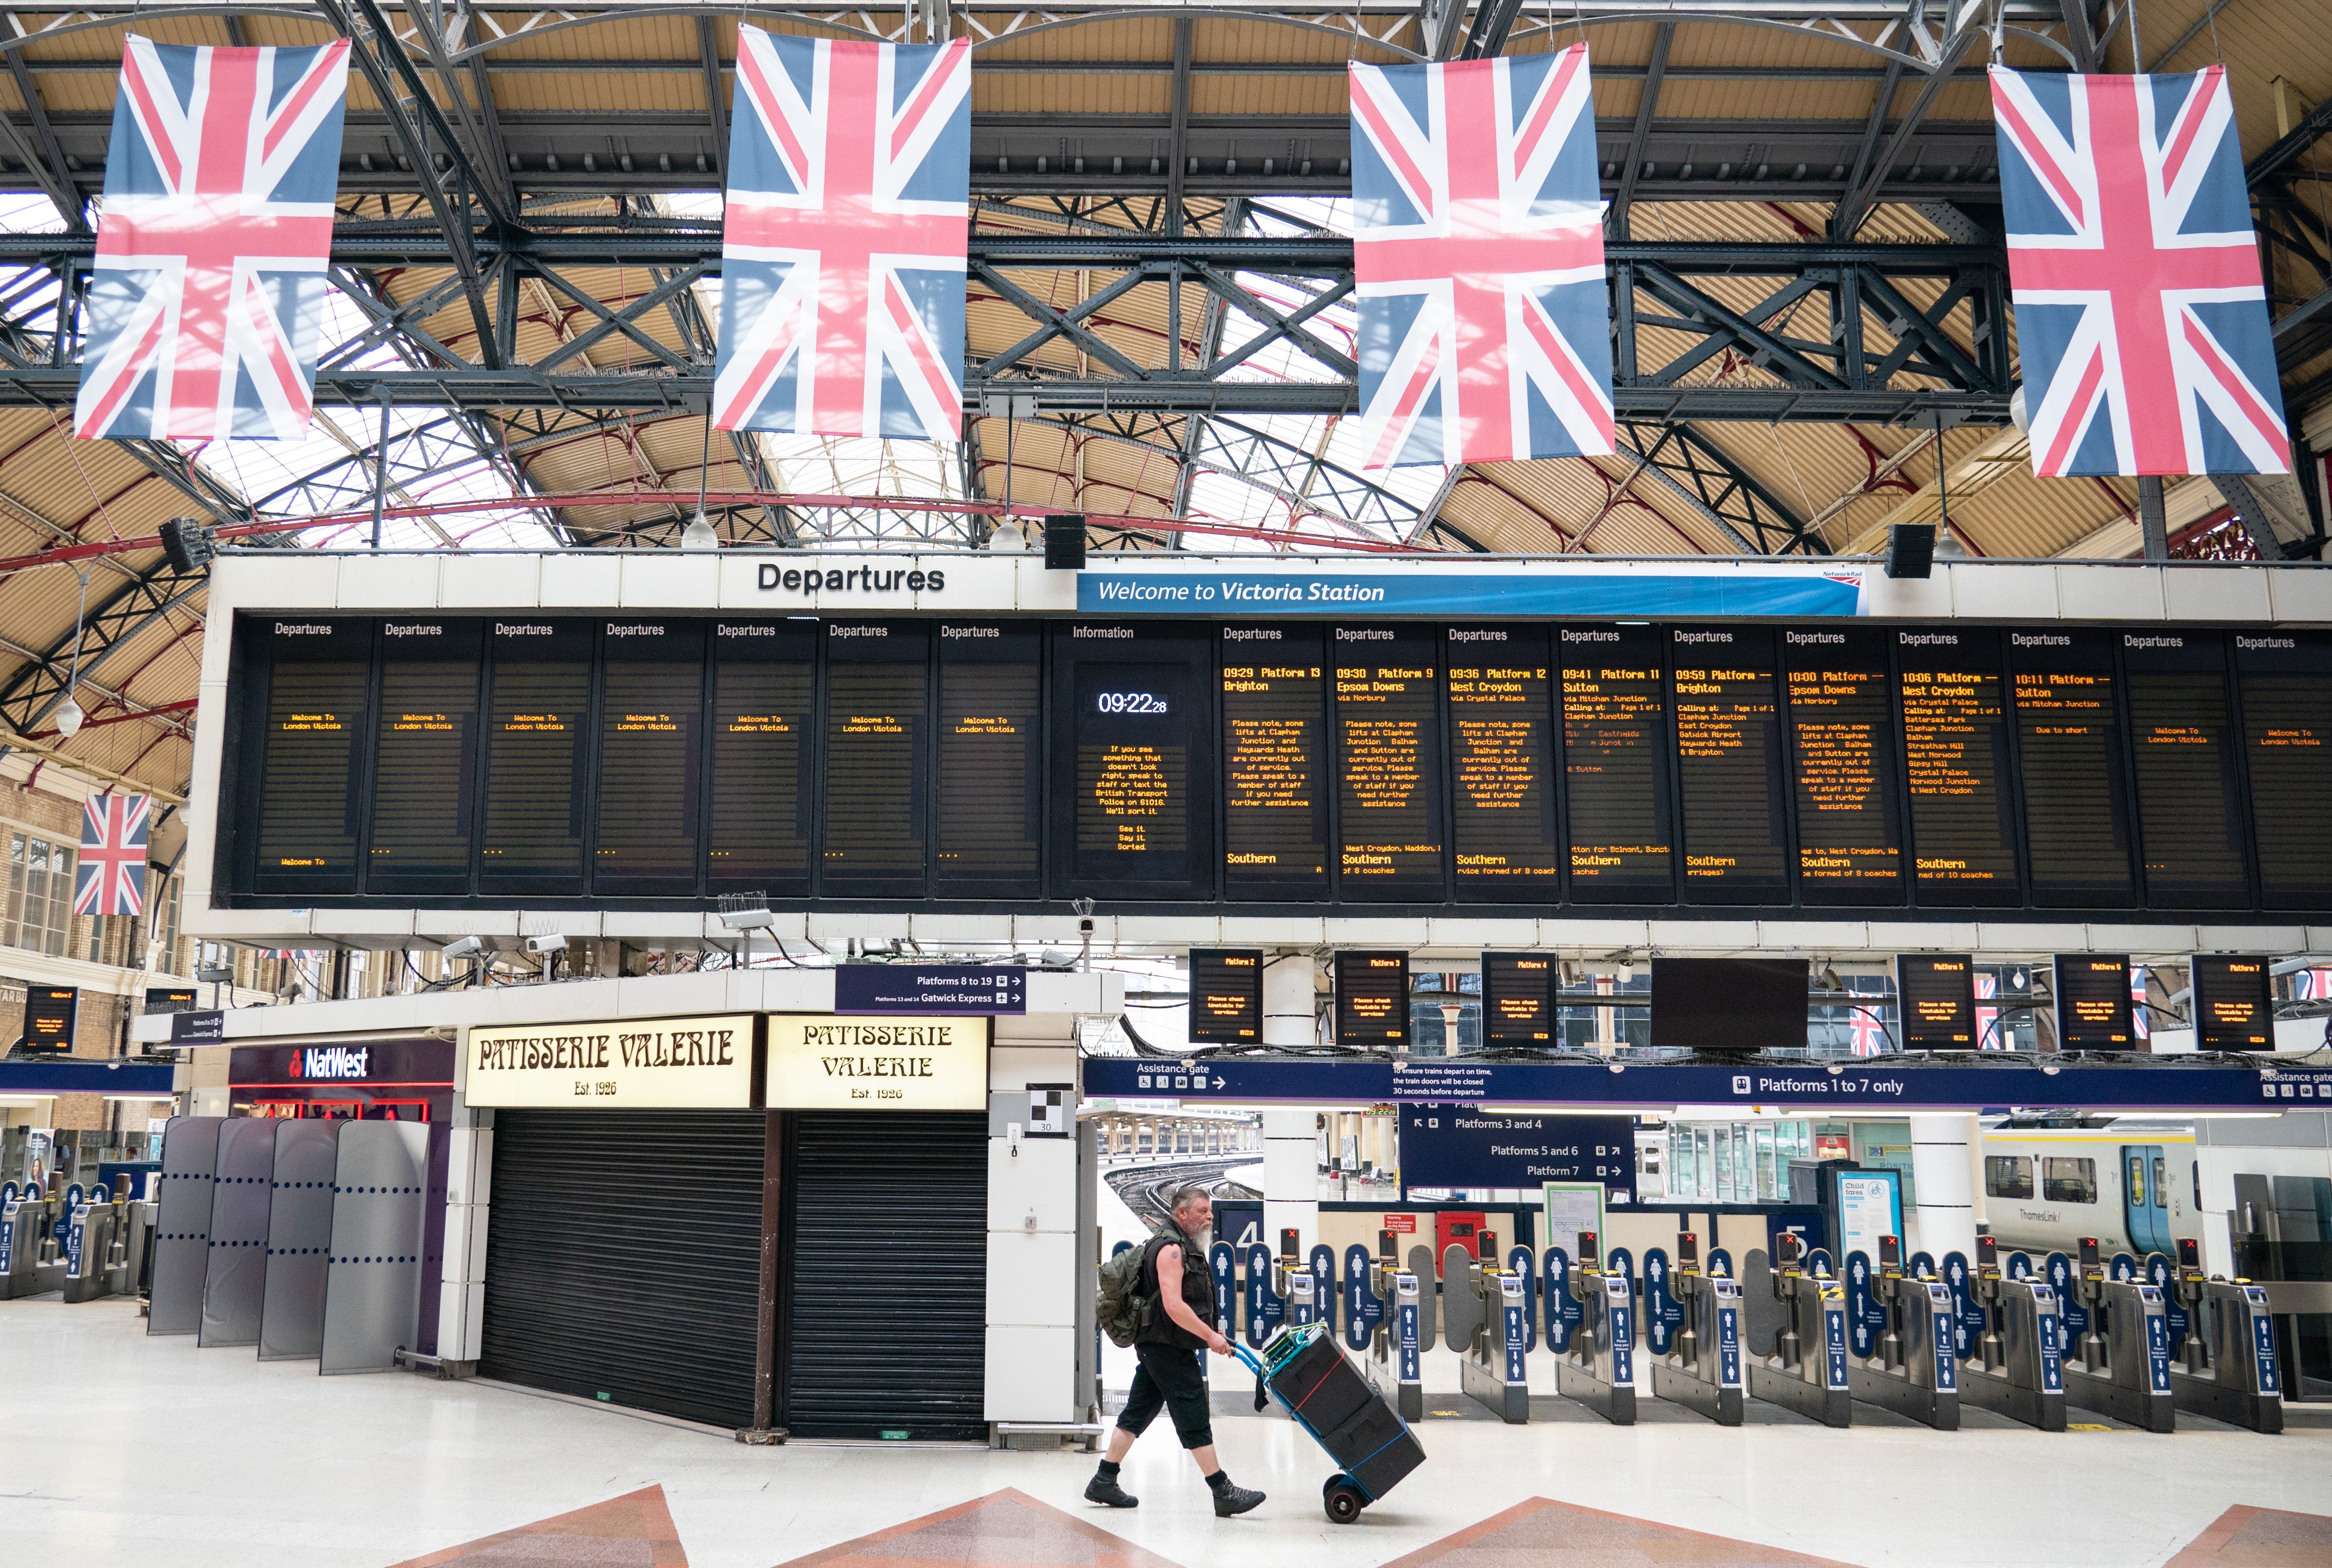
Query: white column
(1940, 1164)
(1291, 1180)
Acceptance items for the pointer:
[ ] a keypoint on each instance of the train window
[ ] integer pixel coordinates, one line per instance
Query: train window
(2069, 1181)
(2161, 1194)
(2008, 1176)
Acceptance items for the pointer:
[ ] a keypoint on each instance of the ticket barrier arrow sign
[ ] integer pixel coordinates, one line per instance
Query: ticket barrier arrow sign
(1265, 1309)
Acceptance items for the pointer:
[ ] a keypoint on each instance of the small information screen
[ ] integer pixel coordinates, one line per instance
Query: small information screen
(2093, 1002)
(1729, 765)
(1955, 753)
(1226, 996)
(1372, 999)
(1937, 993)
(2190, 812)
(1275, 762)
(49, 1014)
(1842, 778)
(1615, 764)
(1502, 764)
(1518, 998)
(1389, 763)
(2234, 1005)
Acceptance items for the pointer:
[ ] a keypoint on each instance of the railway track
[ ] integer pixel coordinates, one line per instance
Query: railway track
(1149, 1190)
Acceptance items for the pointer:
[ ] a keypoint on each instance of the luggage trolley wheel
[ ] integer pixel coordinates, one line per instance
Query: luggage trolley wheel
(1342, 1500)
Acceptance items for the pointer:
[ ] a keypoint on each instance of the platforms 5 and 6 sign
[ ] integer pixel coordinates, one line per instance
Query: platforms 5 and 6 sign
(824, 1063)
(622, 1063)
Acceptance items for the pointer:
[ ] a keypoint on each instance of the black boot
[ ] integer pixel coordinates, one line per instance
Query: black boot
(1104, 1489)
(1231, 1499)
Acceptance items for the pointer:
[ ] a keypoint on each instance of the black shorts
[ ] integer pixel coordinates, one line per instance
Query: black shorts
(1177, 1380)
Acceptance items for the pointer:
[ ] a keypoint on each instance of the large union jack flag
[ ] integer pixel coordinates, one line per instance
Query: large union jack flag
(2140, 316)
(111, 878)
(842, 256)
(1478, 248)
(206, 306)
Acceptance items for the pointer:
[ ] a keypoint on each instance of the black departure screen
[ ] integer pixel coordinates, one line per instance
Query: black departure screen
(1138, 768)
(1728, 741)
(310, 799)
(424, 758)
(1372, 999)
(537, 721)
(1276, 775)
(49, 1012)
(2070, 762)
(1518, 998)
(1955, 766)
(2234, 1004)
(1615, 750)
(2190, 812)
(1227, 995)
(2286, 685)
(992, 778)
(1389, 763)
(2093, 1002)
(1729, 1004)
(1502, 762)
(764, 713)
(877, 791)
(651, 757)
(1843, 768)
(1935, 995)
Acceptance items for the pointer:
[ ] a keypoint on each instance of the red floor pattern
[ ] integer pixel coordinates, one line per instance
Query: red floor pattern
(1007, 1526)
(1543, 1534)
(2260, 1538)
(633, 1531)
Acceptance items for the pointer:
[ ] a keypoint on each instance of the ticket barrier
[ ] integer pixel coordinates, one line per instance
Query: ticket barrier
(1805, 1369)
(1397, 1349)
(1704, 1371)
(1492, 1367)
(105, 1240)
(1292, 1283)
(1916, 1373)
(2226, 1367)
(2016, 1369)
(1599, 1371)
(2123, 1371)
(32, 1240)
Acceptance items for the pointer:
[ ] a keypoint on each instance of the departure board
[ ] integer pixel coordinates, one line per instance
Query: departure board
(1139, 711)
(764, 717)
(1372, 999)
(2233, 1004)
(538, 723)
(1389, 763)
(310, 804)
(1518, 998)
(1728, 741)
(1955, 767)
(1842, 773)
(1503, 834)
(877, 788)
(50, 1014)
(1615, 759)
(2069, 743)
(1227, 995)
(424, 756)
(2285, 679)
(991, 763)
(1275, 772)
(2093, 1002)
(1935, 996)
(2184, 756)
(651, 757)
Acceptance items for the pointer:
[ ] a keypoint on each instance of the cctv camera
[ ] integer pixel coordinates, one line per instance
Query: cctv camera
(543, 945)
(748, 919)
(467, 947)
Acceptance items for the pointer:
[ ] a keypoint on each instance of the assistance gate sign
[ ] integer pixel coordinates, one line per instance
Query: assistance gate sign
(620, 1063)
(824, 1063)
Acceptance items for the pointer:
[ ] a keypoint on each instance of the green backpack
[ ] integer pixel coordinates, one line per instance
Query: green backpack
(1124, 1309)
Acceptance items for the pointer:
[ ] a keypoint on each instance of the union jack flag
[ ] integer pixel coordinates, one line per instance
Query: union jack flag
(2137, 1024)
(1987, 984)
(2140, 314)
(206, 305)
(1866, 1037)
(111, 878)
(842, 256)
(1478, 248)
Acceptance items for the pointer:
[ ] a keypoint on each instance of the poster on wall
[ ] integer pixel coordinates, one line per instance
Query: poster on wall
(705, 1063)
(822, 1063)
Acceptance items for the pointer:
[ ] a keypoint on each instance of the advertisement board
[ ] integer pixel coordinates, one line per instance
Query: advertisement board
(822, 1063)
(688, 1063)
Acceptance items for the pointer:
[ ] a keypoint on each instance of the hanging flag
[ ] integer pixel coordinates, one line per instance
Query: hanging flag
(111, 878)
(842, 256)
(2140, 315)
(1478, 244)
(207, 303)
(2138, 1026)
(1867, 1038)
(1987, 984)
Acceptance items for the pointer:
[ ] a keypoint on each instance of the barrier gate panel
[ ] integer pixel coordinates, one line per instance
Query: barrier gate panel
(299, 1239)
(234, 1272)
(182, 1230)
(372, 1291)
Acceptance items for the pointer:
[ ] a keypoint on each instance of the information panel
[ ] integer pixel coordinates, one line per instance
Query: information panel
(424, 756)
(2190, 812)
(1389, 763)
(2093, 1002)
(536, 726)
(878, 789)
(1935, 995)
(2287, 690)
(1138, 765)
(1843, 768)
(1956, 761)
(651, 756)
(1276, 789)
(309, 807)
(764, 713)
(1615, 752)
(991, 771)
(2068, 740)
(1372, 999)
(49, 1012)
(2233, 1003)
(1728, 743)
(1518, 998)
(1227, 996)
(1502, 764)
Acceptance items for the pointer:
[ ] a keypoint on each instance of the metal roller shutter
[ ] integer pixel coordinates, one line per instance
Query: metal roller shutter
(623, 1258)
(885, 1274)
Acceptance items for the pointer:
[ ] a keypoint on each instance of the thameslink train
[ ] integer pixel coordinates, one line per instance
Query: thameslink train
(2136, 1187)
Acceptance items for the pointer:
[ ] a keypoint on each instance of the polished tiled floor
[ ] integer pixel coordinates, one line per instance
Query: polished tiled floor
(116, 1449)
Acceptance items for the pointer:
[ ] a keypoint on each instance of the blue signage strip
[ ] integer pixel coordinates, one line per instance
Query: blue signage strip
(85, 1077)
(1460, 1146)
(1443, 592)
(929, 987)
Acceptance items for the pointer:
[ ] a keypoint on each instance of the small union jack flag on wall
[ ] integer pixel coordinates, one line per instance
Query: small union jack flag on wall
(2140, 315)
(111, 878)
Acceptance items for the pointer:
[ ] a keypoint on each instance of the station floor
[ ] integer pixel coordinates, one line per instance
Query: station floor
(119, 1450)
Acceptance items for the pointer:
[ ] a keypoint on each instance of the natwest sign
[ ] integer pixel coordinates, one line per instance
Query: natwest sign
(413, 1064)
(331, 1062)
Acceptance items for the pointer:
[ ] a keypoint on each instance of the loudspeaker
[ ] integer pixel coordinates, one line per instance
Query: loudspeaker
(1911, 549)
(185, 544)
(1064, 541)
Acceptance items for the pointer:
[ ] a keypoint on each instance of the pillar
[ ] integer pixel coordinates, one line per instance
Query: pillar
(1941, 1164)
(1291, 1178)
